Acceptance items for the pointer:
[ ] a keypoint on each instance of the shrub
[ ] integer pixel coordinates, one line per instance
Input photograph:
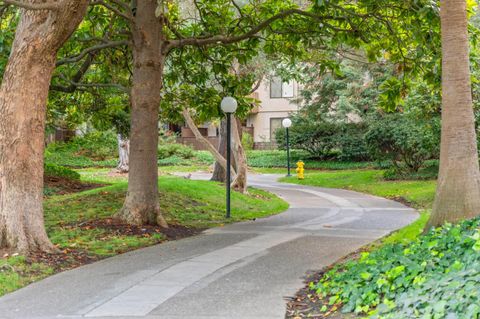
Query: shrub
(407, 143)
(350, 142)
(175, 149)
(53, 170)
(327, 140)
(92, 149)
(429, 171)
(316, 138)
(247, 141)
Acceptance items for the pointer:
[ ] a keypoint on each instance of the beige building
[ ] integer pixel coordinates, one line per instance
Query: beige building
(276, 103)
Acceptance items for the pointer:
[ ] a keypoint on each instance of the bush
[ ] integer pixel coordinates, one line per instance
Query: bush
(428, 172)
(350, 142)
(53, 170)
(407, 143)
(434, 276)
(93, 149)
(175, 149)
(247, 141)
(316, 138)
(326, 140)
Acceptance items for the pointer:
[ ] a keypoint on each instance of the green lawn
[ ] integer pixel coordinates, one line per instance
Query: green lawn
(78, 223)
(419, 193)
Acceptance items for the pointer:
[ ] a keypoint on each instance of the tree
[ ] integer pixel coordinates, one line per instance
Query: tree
(458, 189)
(41, 31)
(141, 204)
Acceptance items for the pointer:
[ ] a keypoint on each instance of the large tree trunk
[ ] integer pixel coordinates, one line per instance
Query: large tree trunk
(458, 189)
(240, 182)
(23, 98)
(142, 203)
(123, 153)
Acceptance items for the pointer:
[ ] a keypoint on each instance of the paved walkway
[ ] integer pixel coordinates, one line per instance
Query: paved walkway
(238, 271)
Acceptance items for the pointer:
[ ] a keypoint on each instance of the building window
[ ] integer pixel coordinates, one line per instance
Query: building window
(275, 124)
(279, 89)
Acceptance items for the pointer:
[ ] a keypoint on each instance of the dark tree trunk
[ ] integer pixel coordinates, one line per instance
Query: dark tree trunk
(218, 170)
(142, 203)
(23, 99)
(219, 174)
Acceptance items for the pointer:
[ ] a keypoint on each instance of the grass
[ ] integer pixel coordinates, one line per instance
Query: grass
(16, 272)
(419, 193)
(71, 220)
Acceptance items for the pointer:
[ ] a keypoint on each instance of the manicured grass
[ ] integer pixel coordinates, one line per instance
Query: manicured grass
(76, 222)
(16, 272)
(419, 193)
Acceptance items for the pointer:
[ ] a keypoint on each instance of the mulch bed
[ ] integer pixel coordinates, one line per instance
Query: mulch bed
(64, 186)
(403, 200)
(117, 227)
(73, 258)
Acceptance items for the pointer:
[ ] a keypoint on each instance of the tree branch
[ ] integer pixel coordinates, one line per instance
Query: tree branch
(34, 6)
(224, 39)
(81, 55)
(126, 15)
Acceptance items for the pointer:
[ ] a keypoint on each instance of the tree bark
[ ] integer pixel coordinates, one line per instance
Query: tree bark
(142, 202)
(123, 153)
(23, 99)
(240, 182)
(216, 154)
(458, 189)
(219, 174)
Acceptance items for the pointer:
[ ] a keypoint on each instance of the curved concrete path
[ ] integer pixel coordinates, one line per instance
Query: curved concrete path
(238, 271)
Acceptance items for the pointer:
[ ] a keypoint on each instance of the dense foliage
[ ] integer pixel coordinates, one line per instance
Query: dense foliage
(433, 276)
(93, 149)
(327, 140)
(404, 141)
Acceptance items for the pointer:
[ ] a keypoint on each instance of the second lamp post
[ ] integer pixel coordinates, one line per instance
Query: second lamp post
(229, 106)
(286, 124)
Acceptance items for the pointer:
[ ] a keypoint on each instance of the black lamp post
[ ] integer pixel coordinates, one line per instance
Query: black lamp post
(229, 106)
(286, 124)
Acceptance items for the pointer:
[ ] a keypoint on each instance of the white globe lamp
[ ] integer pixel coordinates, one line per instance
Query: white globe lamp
(287, 123)
(229, 105)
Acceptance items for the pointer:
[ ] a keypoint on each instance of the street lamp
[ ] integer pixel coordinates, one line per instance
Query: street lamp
(229, 106)
(286, 124)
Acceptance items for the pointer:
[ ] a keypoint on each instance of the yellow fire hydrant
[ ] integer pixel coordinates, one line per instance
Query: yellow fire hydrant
(300, 169)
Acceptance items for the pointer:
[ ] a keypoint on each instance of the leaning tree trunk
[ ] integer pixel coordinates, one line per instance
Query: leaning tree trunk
(220, 159)
(458, 189)
(23, 99)
(240, 181)
(123, 153)
(142, 202)
(219, 174)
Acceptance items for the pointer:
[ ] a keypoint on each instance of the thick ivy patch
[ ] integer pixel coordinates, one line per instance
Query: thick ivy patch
(435, 276)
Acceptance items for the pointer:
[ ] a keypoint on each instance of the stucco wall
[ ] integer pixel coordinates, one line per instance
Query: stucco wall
(270, 108)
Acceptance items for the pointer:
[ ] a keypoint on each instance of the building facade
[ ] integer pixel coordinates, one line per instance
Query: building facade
(277, 102)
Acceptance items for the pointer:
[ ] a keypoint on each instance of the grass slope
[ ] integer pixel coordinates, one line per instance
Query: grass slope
(78, 223)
